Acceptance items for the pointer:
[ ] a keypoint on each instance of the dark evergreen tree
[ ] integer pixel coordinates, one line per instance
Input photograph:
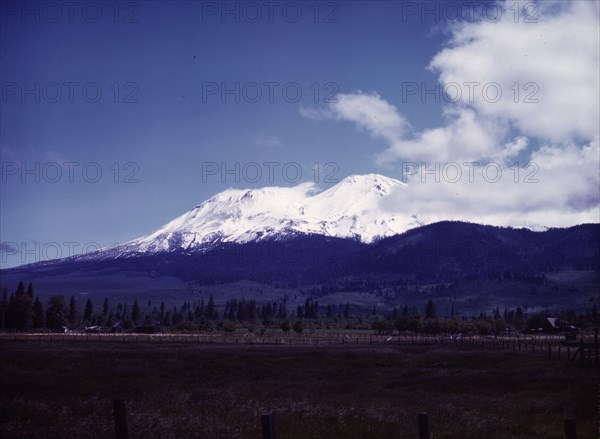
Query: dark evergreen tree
(56, 313)
(30, 290)
(38, 314)
(519, 314)
(268, 314)
(4, 309)
(88, 313)
(135, 312)
(405, 310)
(20, 309)
(430, 310)
(72, 311)
(211, 311)
(497, 314)
(105, 307)
(161, 315)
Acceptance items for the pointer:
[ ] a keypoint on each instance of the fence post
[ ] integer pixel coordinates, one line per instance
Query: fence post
(423, 426)
(120, 414)
(596, 345)
(268, 427)
(570, 432)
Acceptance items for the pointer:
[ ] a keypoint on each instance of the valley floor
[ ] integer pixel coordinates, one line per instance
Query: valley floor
(341, 391)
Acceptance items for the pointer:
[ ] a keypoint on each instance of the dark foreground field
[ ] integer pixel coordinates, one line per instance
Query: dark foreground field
(59, 390)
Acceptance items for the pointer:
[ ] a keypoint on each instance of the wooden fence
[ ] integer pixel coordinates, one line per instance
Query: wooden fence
(267, 422)
(582, 352)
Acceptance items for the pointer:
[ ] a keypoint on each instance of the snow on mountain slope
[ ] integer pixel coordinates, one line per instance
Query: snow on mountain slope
(353, 208)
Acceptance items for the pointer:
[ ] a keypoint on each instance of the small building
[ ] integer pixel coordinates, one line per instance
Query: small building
(117, 328)
(554, 325)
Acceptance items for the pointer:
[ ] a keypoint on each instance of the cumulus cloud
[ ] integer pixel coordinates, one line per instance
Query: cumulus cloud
(558, 187)
(547, 71)
(547, 112)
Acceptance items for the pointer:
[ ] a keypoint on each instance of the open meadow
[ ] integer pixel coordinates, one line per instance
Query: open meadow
(66, 390)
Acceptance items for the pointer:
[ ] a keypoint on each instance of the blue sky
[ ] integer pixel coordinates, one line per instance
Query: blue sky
(166, 59)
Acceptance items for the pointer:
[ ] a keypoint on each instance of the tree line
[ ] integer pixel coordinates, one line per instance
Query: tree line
(23, 310)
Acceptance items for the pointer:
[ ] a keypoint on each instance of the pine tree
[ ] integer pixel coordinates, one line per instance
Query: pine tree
(347, 311)
(211, 312)
(30, 290)
(497, 314)
(56, 313)
(430, 310)
(105, 308)
(72, 310)
(88, 313)
(415, 313)
(4, 308)
(282, 313)
(20, 309)
(519, 314)
(135, 312)
(38, 314)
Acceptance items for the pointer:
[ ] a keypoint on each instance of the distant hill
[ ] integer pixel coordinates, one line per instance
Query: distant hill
(479, 266)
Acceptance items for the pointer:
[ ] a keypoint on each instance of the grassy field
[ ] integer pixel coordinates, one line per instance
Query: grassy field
(60, 390)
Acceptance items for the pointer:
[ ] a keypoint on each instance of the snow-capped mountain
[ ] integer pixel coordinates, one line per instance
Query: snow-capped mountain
(360, 207)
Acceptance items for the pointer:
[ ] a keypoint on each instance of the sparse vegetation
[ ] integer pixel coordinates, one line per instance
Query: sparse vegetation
(207, 391)
(21, 312)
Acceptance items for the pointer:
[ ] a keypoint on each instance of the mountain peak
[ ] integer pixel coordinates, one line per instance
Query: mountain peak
(373, 182)
(370, 179)
(353, 208)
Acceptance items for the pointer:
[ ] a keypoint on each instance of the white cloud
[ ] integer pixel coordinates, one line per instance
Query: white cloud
(554, 61)
(464, 137)
(371, 113)
(559, 187)
(558, 59)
